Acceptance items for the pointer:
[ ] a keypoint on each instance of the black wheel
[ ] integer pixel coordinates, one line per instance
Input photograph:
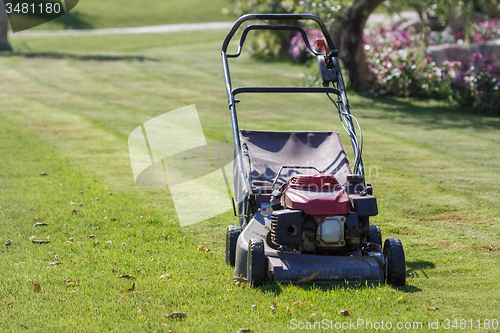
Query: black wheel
(256, 263)
(375, 235)
(233, 232)
(395, 259)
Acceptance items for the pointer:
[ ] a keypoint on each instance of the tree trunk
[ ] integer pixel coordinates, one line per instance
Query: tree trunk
(4, 27)
(351, 43)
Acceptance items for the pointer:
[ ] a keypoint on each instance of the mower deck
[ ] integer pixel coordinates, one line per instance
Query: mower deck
(290, 267)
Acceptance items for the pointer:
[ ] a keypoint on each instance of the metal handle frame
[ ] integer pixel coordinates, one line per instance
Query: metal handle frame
(338, 89)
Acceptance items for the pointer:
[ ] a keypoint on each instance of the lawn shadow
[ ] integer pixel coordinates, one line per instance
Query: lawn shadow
(433, 117)
(57, 55)
(277, 288)
(414, 268)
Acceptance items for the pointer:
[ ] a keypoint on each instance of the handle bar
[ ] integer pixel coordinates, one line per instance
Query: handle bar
(280, 17)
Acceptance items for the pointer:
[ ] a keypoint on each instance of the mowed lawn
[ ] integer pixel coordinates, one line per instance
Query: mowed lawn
(93, 14)
(67, 106)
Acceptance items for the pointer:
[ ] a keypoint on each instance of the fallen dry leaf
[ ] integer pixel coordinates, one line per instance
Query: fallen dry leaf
(175, 315)
(273, 306)
(244, 330)
(36, 287)
(140, 311)
(254, 306)
(396, 314)
(36, 218)
(164, 276)
(43, 173)
(33, 209)
(288, 309)
(201, 248)
(162, 325)
(54, 263)
(431, 308)
(39, 224)
(9, 304)
(298, 303)
(344, 313)
(239, 280)
(23, 326)
(126, 276)
(399, 299)
(72, 203)
(70, 282)
(90, 236)
(38, 241)
(130, 289)
(309, 278)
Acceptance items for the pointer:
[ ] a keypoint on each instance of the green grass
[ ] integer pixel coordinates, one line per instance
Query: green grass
(67, 106)
(93, 14)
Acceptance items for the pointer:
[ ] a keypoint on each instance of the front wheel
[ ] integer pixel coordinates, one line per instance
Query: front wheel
(256, 263)
(395, 261)
(233, 232)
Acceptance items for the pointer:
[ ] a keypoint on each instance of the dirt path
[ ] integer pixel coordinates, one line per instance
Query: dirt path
(135, 30)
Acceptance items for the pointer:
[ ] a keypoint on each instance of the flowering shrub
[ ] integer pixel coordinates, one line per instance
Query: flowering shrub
(298, 49)
(398, 59)
(477, 85)
(482, 31)
(479, 32)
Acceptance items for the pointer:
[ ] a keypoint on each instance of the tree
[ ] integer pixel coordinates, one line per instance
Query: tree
(351, 43)
(4, 27)
(347, 19)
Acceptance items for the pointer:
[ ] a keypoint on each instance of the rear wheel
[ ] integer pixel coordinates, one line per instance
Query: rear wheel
(256, 263)
(375, 235)
(233, 232)
(395, 261)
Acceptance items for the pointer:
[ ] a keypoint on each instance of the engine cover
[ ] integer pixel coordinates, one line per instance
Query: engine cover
(286, 227)
(319, 194)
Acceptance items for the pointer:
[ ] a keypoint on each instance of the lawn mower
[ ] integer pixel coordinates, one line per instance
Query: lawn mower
(304, 214)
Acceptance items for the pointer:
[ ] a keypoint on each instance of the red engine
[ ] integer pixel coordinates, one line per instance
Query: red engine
(319, 194)
(314, 216)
